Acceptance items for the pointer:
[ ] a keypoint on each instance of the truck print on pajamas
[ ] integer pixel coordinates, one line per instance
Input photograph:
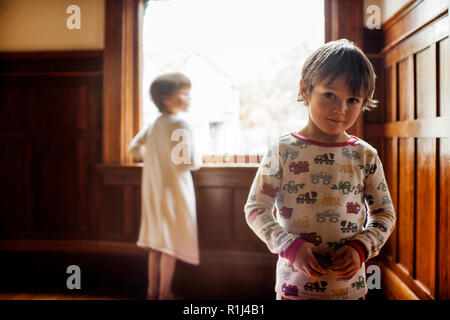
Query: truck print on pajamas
(321, 176)
(322, 197)
(307, 198)
(327, 158)
(299, 167)
(353, 207)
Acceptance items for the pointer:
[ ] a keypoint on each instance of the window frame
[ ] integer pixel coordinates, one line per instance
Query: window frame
(122, 84)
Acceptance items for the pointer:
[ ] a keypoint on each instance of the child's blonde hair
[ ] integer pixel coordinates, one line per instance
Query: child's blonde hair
(341, 57)
(166, 85)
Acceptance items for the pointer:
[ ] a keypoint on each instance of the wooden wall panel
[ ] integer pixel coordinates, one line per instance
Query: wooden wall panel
(51, 106)
(390, 95)
(12, 188)
(218, 229)
(406, 205)
(112, 217)
(413, 17)
(426, 83)
(391, 169)
(13, 103)
(406, 89)
(425, 255)
(444, 77)
(55, 186)
(443, 274)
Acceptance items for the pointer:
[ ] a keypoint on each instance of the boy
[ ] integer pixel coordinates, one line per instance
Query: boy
(168, 220)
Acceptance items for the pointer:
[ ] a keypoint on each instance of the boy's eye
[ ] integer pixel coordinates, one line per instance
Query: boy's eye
(353, 100)
(329, 95)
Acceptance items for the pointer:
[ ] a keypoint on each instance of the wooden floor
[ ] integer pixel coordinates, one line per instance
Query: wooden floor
(36, 295)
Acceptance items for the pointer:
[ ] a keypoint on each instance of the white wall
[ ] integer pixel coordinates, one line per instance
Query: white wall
(34, 25)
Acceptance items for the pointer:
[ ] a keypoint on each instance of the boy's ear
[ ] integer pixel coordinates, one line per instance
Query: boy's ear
(303, 91)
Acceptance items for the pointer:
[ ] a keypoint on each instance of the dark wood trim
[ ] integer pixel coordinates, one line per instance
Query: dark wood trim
(416, 287)
(207, 176)
(393, 286)
(415, 16)
(443, 220)
(54, 74)
(42, 55)
(327, 9)
(51, 63)
(422, 39)
(207, 256)
(407, 7)
(338, 25)
(122, 85)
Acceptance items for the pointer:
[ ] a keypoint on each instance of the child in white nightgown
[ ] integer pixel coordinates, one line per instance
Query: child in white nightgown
(168, 220)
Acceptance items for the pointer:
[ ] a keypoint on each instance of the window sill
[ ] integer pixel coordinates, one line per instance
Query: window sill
(209, 175)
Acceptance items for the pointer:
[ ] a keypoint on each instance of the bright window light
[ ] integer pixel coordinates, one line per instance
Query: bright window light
(244, 59)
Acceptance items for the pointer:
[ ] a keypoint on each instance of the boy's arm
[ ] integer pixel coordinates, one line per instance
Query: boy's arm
(381, 218)
(265, 189)
(137, 143)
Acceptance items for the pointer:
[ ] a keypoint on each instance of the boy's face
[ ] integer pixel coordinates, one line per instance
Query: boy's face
(179, 101)
(333, 108)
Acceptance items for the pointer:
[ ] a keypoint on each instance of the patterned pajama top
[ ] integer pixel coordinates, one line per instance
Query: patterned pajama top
(327, 194)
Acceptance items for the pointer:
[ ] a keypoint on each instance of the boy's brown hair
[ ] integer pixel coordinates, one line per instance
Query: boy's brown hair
(166, 85)
(341, 57)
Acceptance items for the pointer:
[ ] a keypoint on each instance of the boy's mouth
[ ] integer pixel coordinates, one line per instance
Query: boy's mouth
(336, 121)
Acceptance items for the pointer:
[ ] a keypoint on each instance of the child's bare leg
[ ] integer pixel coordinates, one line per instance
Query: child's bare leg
(167, 268)
(154, 258)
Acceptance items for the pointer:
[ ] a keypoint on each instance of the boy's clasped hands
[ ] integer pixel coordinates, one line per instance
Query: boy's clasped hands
(313, 262)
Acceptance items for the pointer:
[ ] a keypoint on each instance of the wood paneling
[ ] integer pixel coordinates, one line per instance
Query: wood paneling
(215, 217)
(406, 89)
(122, 81)
(391, 171)
(444, 219)
(425, 240)
(422, 39)
(415, 132)
(338, 26)
(426, 83)
(405, 222)
(390, 100)
(395, 288)
(13, 177)
(412, 18)
(444, 78)
(50, 132)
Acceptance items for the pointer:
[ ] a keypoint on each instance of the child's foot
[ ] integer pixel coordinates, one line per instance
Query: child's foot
(169, 296)
(151, 297)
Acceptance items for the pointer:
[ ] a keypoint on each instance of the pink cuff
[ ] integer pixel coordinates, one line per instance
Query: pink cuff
(291, 251)
(358, 246)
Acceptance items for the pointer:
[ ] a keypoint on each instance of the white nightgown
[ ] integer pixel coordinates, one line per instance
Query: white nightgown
(168, 218)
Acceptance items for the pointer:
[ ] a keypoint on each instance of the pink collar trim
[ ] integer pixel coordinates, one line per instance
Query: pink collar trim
(351, 140)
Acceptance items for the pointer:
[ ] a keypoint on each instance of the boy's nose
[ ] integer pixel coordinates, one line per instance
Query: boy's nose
(340, 108)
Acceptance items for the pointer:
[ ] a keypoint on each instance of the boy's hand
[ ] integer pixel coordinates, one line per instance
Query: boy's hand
(307, 263)
(345, 263)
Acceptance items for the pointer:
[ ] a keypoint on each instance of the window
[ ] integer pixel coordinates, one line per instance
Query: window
(244, 58)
